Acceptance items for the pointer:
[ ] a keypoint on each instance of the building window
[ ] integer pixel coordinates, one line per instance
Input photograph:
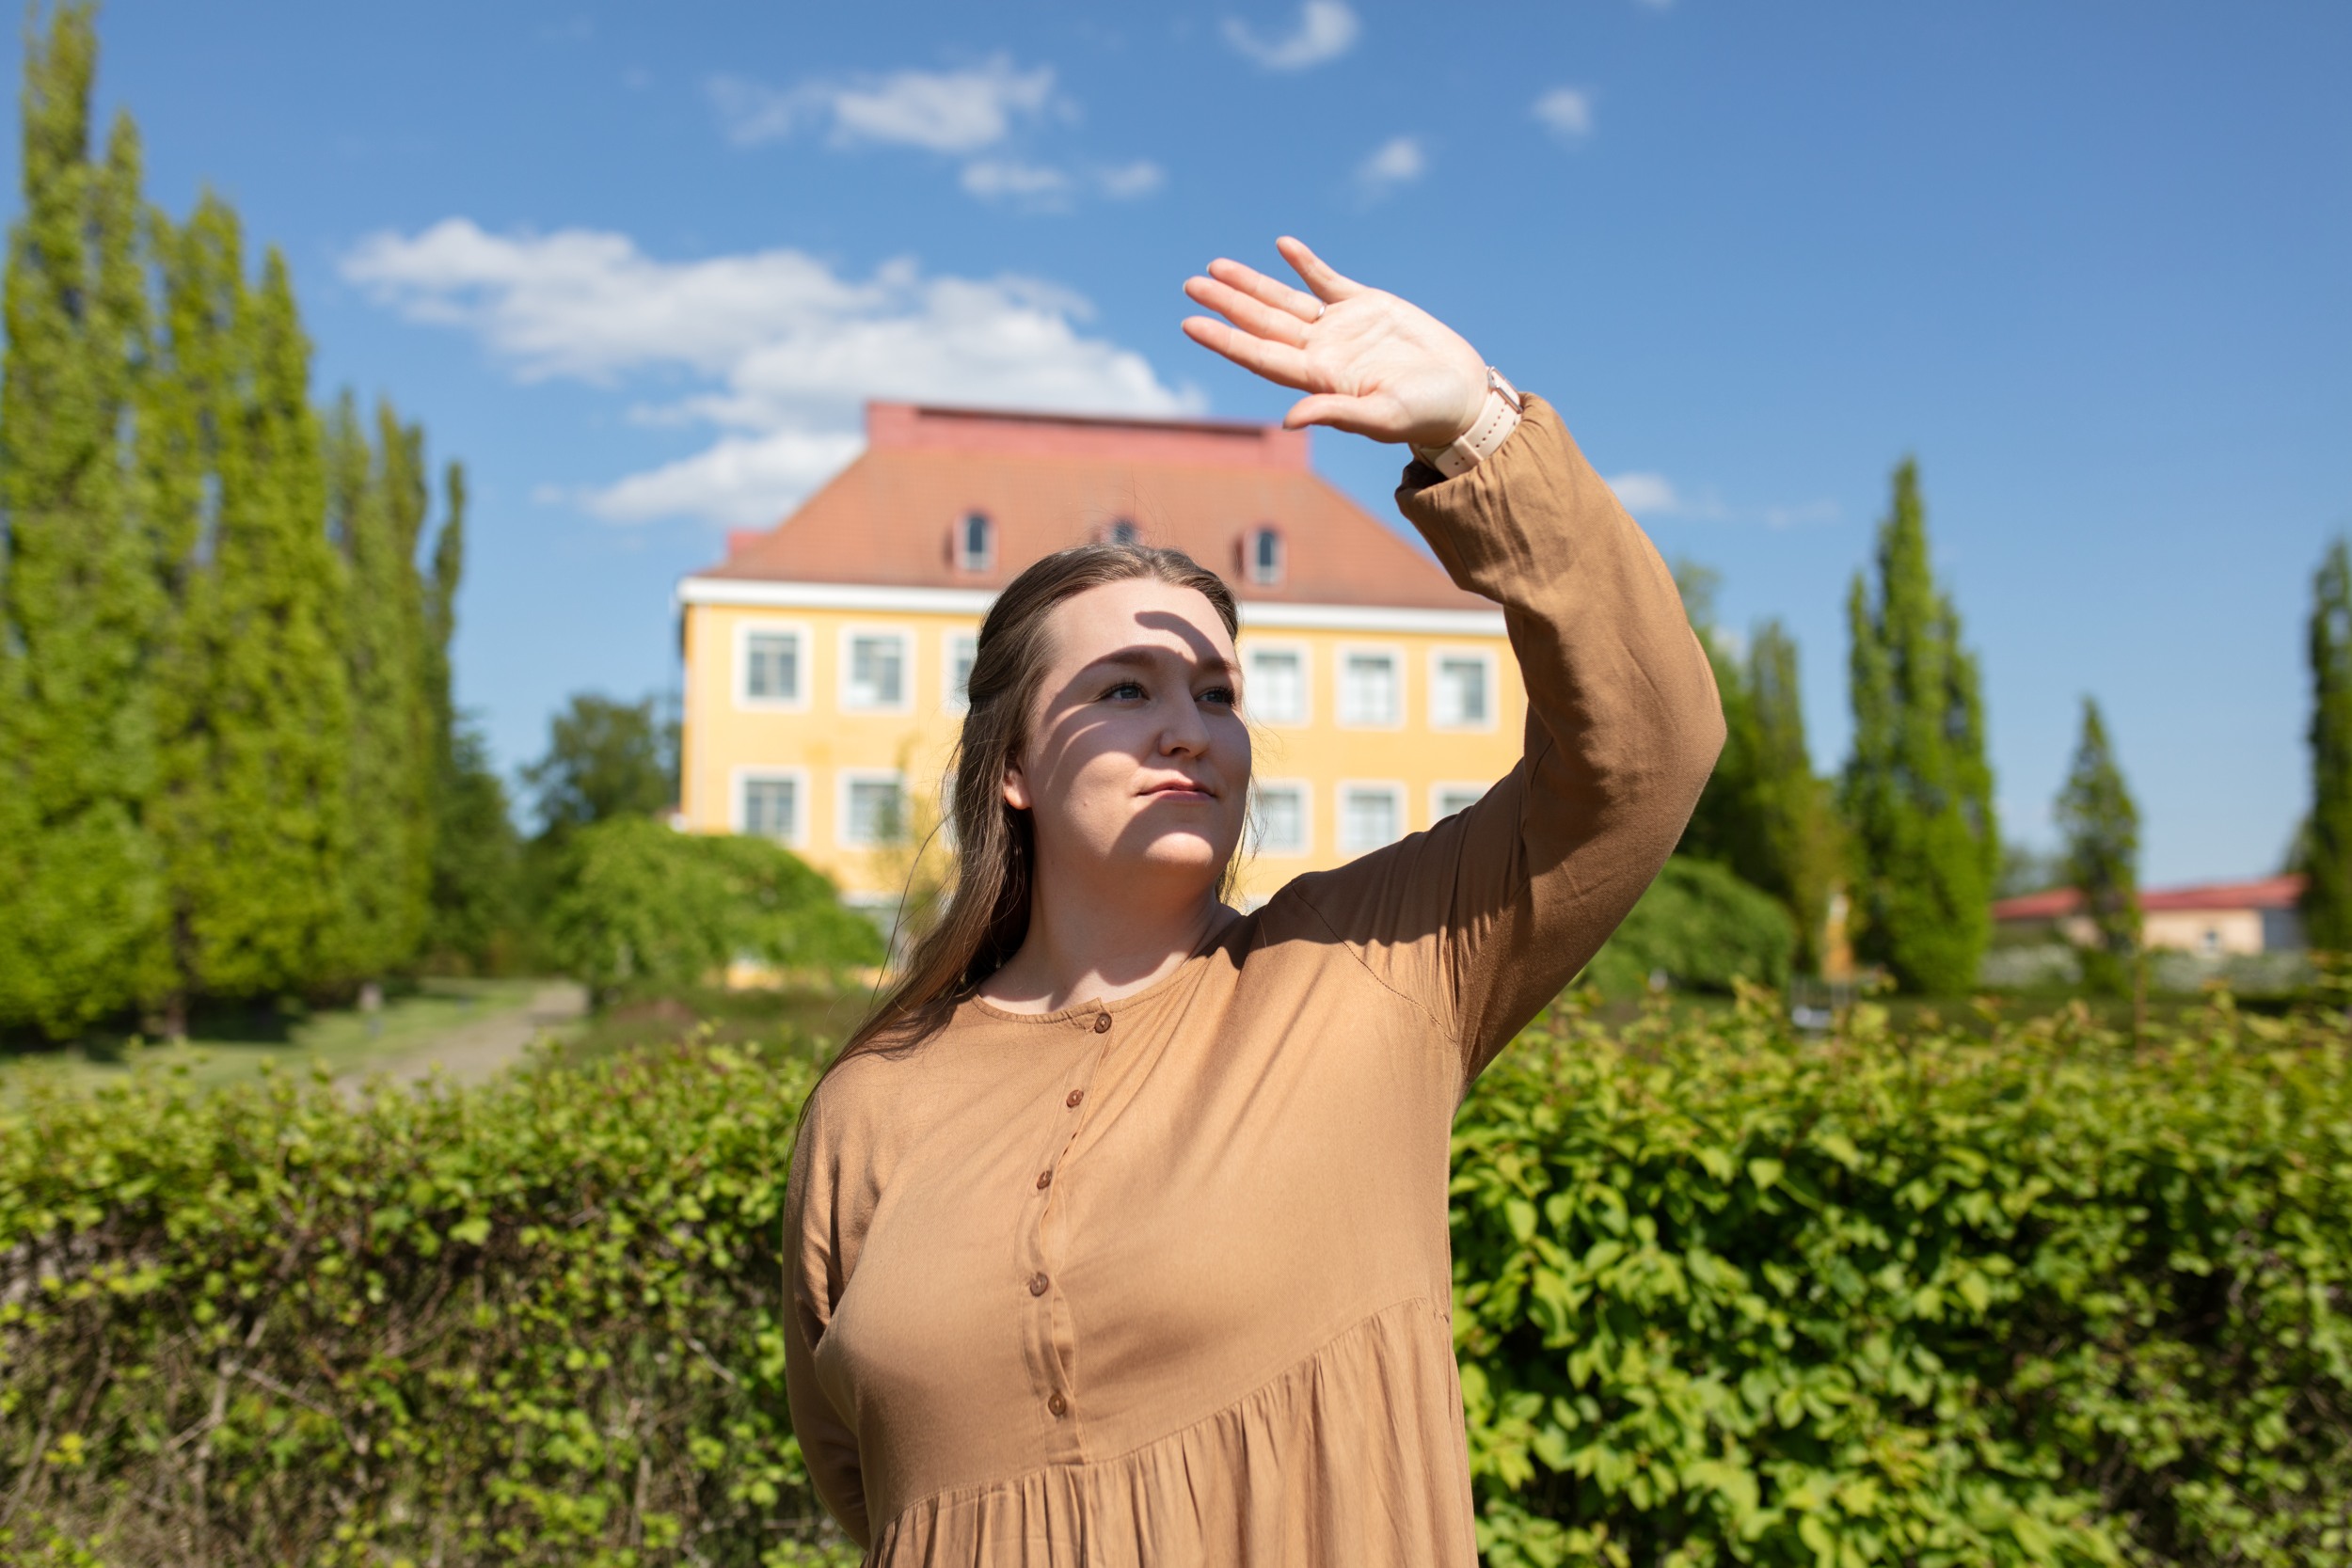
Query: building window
(1369, 816)
(874, 671)
(1445, 799)
(962, 648)
(768, 667)
(1461, 691)
(1369, 697)
(976, 543)
(769, 806)
(1124, 533)
(1278, 817)
(1277, 690)
(2211, 943)
(1266, 556)
(873, 809)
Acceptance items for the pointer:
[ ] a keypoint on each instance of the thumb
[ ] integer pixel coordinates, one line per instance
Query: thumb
(1351, 414)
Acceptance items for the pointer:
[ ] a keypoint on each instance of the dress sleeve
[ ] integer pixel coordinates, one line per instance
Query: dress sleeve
(1485, 917)
(814, 1276)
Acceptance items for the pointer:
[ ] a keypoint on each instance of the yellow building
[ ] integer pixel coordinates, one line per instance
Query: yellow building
(824, 656)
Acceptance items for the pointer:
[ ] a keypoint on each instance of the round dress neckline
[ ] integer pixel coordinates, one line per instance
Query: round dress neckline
(1083, 1012)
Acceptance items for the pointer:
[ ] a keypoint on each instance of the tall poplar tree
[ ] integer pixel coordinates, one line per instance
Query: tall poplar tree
(2101, 826)
(262, 814)
(82, 916)
(2327, 837)
(1917, 794)
(379, 505)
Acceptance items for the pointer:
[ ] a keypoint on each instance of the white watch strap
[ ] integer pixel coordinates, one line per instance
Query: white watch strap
(1495, 422)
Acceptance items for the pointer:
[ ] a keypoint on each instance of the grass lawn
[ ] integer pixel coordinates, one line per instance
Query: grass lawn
(230, 1046)
(800, 1019)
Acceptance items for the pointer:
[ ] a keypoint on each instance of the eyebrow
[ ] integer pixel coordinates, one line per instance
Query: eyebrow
(1138, 658)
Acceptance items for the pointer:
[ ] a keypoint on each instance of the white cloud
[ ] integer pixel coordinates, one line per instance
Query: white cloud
(1326, 30)
(944, 111)
(1398, 161)
(1646, 495)
(1044, 187)
(1567, 111)
(785, 349)
(1126, 181)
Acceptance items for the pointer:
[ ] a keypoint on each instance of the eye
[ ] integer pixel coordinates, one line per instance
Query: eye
(1222, 696)
(1126, 691)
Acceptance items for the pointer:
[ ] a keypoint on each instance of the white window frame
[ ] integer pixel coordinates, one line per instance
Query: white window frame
(1443, 787)
(806, 657)
(841, 792)
(1251, 647)
(1306, 790)
(1252, 569)
(964, 562)
(1390, 787)
(1486, 657)
(950, 699)
(1395, 655)
(737, 778)
(846, 668)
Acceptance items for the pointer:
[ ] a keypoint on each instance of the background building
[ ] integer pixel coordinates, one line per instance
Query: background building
(2213, 919)
(825, 656)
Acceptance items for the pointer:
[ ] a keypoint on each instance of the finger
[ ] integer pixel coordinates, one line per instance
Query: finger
(1278, 363)
(1327, 285)
(1269, 290)
(1258, 320)
(1356, 415)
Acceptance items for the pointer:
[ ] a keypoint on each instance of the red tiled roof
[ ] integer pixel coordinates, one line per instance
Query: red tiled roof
(2264, 892)
(1047, 481)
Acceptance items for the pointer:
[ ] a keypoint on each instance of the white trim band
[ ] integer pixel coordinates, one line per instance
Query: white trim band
(758, 594)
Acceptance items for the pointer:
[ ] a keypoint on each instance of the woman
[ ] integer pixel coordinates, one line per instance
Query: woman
(1119, 1235)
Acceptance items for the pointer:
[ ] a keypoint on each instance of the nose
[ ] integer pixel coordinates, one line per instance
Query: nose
(1185, 733)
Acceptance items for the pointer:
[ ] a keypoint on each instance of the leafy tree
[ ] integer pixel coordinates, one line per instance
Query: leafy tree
(605, 759)
(1919, 793)
(1702, 928)
(379, 510)
(263, 829)
(2025, 869)
(2326, 841)
(643, 907)
(82, 920)
(1764, 814)
(2101, 825)
(477, 921)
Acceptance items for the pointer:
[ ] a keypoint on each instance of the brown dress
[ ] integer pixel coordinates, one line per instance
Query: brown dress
(1167, 1279)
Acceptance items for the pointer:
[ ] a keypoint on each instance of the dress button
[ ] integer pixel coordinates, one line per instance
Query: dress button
(1102, 1023)
(1044, 1180)
(1075, 1096)
(1059, 1405)
(1036, 1284)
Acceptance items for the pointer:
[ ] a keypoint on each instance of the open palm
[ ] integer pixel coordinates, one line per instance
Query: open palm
(1369, 362)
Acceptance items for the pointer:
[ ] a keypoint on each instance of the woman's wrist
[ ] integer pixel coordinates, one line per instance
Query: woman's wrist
(1496, 420)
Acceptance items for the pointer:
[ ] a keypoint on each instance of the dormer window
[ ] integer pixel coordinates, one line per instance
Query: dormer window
(1124, 533)
(976, 543)
(1266, 556)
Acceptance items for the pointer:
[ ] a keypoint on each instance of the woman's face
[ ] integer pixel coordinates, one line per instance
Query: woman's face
(1137, 761)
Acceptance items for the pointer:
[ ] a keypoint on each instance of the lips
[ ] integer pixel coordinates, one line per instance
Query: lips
(1182, 790)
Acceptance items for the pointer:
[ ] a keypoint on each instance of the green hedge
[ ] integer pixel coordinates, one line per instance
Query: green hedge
(1722, 1296)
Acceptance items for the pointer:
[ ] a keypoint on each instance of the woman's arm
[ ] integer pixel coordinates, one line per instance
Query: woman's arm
(1485, 916)
(812, 1284)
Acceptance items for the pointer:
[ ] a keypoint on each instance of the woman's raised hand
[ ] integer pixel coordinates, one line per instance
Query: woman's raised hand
(1368, 361)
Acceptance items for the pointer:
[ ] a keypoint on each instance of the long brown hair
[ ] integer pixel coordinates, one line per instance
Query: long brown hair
(988, 906)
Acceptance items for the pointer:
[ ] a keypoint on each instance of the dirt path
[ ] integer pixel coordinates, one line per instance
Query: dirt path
(473, 1052)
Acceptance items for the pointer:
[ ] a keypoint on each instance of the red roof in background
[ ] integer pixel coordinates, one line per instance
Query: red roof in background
(2264, 892)
(1047, 481)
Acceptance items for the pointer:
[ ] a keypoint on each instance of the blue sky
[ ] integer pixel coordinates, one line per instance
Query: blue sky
(636, 265)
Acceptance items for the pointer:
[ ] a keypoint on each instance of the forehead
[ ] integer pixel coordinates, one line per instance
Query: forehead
(1139, 613)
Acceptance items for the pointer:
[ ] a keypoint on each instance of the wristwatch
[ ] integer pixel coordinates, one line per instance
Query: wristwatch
(1495, 421)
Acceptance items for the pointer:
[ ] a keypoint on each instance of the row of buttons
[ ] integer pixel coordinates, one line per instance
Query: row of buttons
(1039, 1283)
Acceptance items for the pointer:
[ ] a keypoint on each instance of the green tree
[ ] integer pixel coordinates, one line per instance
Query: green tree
(2101, 827)
(2326, 841)
(1701, 927)
(379, 501)
(262, 827)
(477, 921)
(1765, 814)
(82, 921)
(1917, 794)
(605, 759)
